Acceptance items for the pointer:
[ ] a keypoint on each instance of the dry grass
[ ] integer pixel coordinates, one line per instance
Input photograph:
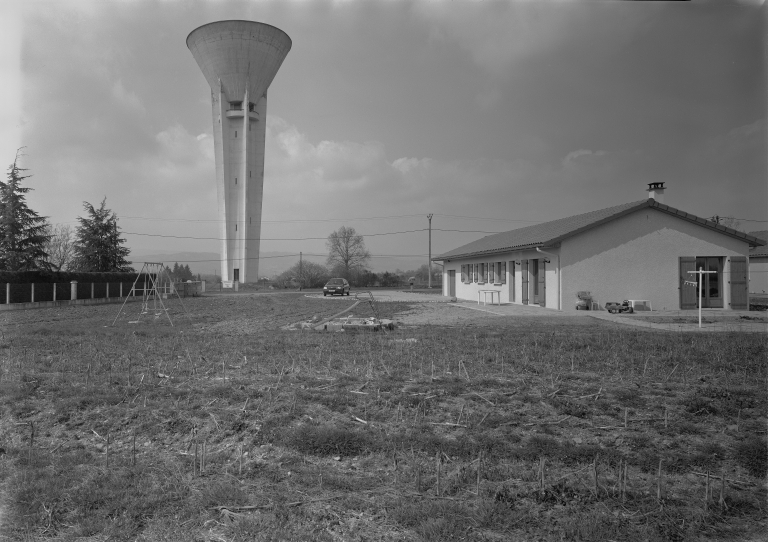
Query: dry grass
(498, 428)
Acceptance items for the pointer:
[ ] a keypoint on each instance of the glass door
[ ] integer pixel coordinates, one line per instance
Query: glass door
(712, 288)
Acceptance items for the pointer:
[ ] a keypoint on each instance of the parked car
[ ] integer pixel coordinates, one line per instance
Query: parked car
(336, 286)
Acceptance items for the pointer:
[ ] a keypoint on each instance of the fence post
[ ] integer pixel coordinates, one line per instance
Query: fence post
(202, 287)
(107, 290)
(33, 292)
(54, 291)
(7, 293)
(73, 290)
(92, 290)
(121, 289)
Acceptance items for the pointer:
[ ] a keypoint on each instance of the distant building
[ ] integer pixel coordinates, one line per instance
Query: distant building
(758, 265)
(642, 250)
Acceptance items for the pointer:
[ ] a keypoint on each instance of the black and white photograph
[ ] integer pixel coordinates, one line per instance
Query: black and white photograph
(383, 270)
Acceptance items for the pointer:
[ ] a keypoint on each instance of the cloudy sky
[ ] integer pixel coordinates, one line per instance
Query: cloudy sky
(491, 115)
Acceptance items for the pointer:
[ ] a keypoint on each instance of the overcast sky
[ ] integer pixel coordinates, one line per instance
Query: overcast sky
(510, 112)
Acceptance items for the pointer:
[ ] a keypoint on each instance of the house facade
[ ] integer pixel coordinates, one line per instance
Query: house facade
(643, 250)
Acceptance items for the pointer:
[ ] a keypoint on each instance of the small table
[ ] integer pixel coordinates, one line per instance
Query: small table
(645, 304)
(485, 296)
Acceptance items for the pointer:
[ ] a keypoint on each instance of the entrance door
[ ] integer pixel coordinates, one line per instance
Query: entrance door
(236, 273)
(712, 288)
(535, 279)
(452, 283)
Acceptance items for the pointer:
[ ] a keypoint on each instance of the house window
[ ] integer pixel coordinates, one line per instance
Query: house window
(481, 278)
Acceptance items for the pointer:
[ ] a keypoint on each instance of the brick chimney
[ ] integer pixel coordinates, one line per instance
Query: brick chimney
(656, 192)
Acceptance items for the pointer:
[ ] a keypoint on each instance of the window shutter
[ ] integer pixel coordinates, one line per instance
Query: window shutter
(524, 277)
(739, 283)
(542, 284)
(503, 272)
(688, 293)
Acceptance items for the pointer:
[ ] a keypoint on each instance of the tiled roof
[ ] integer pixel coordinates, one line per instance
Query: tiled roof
(549, 233)
(763, 250)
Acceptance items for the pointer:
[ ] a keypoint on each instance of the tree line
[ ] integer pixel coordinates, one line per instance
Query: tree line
(28, 242)
(347, 258)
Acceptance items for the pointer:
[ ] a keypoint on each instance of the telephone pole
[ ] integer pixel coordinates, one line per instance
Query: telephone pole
(429, 279)
(301, 272)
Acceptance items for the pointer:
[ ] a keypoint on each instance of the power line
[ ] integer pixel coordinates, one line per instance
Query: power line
(268, 221)
(742, 219)
(306, 220)
(466, 231)
(294, 256)
(264, 238)
(489, 219)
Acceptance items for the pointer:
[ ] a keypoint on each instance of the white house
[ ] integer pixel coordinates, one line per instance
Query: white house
(642, 250)
(758, 266)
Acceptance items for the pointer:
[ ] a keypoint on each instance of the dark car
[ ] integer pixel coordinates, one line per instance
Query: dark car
(336, 286)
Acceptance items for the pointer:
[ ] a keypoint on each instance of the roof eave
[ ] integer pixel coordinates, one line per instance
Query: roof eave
(465, 255)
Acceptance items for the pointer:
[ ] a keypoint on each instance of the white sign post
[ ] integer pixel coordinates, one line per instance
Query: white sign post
(701, 274)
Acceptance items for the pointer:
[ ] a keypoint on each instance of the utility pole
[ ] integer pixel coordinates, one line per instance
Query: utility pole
(301, 272)
(429, 279)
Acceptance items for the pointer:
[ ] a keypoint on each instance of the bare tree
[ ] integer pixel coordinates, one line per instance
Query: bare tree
(59, 246)
(346, 251)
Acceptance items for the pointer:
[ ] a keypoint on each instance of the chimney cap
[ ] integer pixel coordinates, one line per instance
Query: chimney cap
(655, 186)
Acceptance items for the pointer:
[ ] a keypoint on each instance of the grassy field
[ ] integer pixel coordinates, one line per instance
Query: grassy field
(226, 428)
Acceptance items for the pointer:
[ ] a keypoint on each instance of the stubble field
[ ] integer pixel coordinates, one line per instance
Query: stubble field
(454, 426)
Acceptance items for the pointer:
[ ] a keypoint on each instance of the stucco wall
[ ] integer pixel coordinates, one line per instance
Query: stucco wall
(511, 292)
(637, 257)
(758, 275)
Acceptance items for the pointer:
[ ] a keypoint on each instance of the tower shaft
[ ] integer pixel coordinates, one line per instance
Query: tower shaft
(239, 139)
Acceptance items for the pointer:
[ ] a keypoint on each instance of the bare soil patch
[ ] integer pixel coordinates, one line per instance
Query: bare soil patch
(456, 426)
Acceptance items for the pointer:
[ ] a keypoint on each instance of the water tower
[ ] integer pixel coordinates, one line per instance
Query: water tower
(239, 60)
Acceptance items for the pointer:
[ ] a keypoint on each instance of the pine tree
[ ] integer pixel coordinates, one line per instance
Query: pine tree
(23, 233)
(99, 246)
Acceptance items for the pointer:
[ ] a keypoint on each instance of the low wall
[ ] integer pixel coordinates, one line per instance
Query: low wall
(41, 295)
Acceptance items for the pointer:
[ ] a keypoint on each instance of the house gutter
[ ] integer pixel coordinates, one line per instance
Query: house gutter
(559, 277)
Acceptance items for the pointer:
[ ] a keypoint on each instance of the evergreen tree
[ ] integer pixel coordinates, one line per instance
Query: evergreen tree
(23, 233)
(98, 246)
(176, 275)
(187, 273)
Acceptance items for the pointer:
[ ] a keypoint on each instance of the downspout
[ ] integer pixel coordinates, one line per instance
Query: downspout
(559, 276)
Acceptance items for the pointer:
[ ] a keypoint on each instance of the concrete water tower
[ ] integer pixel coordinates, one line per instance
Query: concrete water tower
(239, 60)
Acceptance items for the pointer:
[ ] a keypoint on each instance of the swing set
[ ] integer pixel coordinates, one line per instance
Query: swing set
(152, 297)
